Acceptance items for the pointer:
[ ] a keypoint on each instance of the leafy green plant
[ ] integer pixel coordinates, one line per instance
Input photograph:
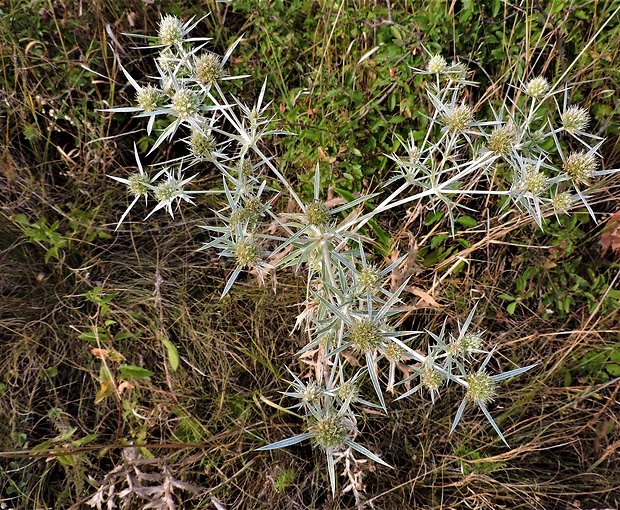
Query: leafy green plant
(57, 242)
(595, 366)
(557, 280)
(41, 232)
(114, 375)
(284, 480)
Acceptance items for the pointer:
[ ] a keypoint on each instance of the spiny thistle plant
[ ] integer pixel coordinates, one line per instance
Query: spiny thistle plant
(541, 161)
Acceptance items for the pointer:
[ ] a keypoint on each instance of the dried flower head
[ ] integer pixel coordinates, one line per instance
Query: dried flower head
(317, 214)
(471, 342)
(243, 216)
(201, 145)
(365, 336)
(185, 103)
(244, 167)
(138, 184)
(247, 215)
(247, 253)
(537, 88)
(254, 205)
(394, 352)
(311, 393)
(329, 431)
(561, 202)
(369, 279)
(208, 68)
(534, 181)
(349, 390)
(166, 191)
(430, 378)
(580, 166)
(575, 119)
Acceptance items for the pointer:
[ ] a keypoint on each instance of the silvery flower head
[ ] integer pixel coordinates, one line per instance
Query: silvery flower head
(537, 88)
(173, 32)
(575, 119)
(139, 184)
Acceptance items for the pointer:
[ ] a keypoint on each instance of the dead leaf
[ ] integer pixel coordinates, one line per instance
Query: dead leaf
(335, 201)
(7, 166)
(274, 259)
(407, 267)
(424, 296)
(125, 385)
(100, 353)
(305, 315)
(549, 264)
(291, 205)
(325, 157)
(407, 371)
(610, 237)
(115, 356)
(131, 19)
(350, 358)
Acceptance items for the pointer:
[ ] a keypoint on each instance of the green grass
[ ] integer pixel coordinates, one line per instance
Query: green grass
(219, 364)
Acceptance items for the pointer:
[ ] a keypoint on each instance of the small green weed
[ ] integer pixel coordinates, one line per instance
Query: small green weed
(472, 461)
(284, 480)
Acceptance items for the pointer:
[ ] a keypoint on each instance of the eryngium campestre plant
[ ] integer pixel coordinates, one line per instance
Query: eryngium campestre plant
(349, 311)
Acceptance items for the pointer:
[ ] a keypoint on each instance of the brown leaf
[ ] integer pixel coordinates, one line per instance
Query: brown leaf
(116, 356)
(425, 297)
(610, 237)
(407, 267)
(125, 385)
(323, 155)
(335, 201)
(306, 315)
(350, 358)
(100, 353)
